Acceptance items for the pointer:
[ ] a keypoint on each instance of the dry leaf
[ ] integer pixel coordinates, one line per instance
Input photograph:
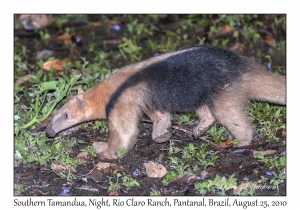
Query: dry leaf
(114, 22)
(84, 157)
(95, 175)
(271, 41)
(56, 64)
(63, 168)
(225, 144)
(265, 153)
(113, 194)
(238, 47)
(96, 24)
(283, 133)
(155, 170)
(109, 168)
(64, 37)
(185, 179)
(23, 79)
(31, 22)
(225, 30)
(102, 165)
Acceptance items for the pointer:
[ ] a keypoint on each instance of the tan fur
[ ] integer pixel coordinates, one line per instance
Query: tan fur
(229, 108)
(230, 105)
(206, 120)
(161, 126)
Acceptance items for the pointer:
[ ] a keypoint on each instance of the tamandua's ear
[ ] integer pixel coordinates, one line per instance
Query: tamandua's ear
(80, 103)
(80, 90)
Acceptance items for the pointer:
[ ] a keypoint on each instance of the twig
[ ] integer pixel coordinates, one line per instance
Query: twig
(185, 131)
(87, 173)
(190, 133)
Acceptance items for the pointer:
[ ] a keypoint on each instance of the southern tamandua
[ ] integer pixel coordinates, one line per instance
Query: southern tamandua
(215, 83)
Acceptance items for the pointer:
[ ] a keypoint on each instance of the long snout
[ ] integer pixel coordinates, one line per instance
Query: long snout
(50, 132)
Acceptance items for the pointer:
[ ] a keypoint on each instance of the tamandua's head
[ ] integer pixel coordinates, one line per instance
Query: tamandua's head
(75, 111)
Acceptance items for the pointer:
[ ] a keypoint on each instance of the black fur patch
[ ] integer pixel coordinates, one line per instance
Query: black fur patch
(184, 82)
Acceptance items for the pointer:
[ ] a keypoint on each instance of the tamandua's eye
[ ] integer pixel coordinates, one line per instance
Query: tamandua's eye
(66, 116)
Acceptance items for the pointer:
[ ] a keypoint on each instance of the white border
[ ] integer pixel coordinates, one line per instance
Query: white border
(163, 7)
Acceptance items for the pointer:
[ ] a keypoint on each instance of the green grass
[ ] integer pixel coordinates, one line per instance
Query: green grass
(142, 37)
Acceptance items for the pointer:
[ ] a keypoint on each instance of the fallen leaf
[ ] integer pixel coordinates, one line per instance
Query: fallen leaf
(113, 194)
(102, 165)
(283, 133)
(225, 29)
(31, 22)
(23, 79)
(271, 41)
(109, 168)
(64, 37)
(62, 168)
(95, 175)
(238, 47)
(225, 144)
(265, 153)
(56, 64)
(185, 179)
(96, 24)
(84, 157)
(155, 170)
(114, 22)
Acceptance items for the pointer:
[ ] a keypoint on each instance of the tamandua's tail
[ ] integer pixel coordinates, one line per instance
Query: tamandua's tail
(262, 85)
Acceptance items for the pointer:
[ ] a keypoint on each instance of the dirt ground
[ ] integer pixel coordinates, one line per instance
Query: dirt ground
(41, 180)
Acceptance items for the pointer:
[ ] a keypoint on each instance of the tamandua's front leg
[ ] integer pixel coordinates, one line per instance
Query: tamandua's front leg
(206, 121)
(161, 126)
(123, 129)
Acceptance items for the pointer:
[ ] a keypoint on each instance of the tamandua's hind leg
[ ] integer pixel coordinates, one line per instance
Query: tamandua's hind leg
(123, 130)
(161, 126)
(230, 110)
(206, 121)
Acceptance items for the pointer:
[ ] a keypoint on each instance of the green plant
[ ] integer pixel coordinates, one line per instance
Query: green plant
(173, 149)
(101, 125)
(278, 178)
(45, 37)
(278, 163)
(121, 152)
(18, 189)
(262, 179)
(245, 191)
(186, 118)
(29, 148)
(129, 48)
(114, 187)
(90, 150)
(62, 87)
(234, 142)
(217, 186)
(201, 40)
(270, 119)
(201, 187)
(155, 193)
(281, 45)
(129, 182)
(217, 133)
(192, 160)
